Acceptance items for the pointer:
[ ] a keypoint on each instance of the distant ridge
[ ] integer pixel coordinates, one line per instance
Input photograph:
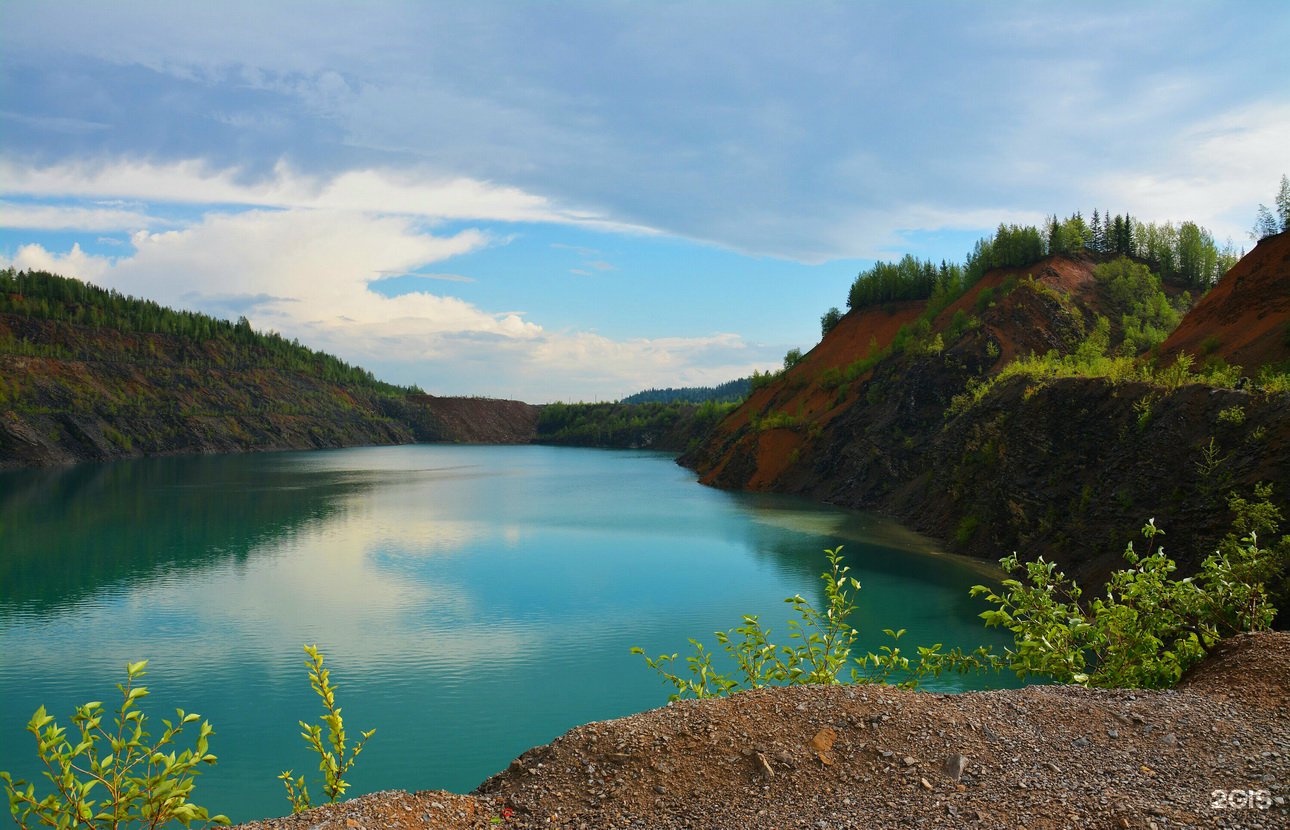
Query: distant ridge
(729, 392)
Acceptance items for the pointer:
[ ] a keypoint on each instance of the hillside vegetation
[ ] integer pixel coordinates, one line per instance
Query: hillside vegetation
(674, 427)
(91, 374)
(732, 391)
(1042, 406)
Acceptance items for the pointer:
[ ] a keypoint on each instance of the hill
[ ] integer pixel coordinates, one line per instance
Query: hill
(1023, 415)
(88, 374)
(731, 391)
(1245, 319)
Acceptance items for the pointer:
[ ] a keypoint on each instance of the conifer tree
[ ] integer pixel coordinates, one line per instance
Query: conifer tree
(1283, 202)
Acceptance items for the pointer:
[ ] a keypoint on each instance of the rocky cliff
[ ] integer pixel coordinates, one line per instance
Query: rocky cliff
(1068, 467)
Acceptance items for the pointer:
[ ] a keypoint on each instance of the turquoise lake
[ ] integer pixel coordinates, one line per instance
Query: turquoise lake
(472, 602)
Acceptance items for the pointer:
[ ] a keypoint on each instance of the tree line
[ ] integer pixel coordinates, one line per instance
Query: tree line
(47, 296)
(1184, 254)
(732, 391)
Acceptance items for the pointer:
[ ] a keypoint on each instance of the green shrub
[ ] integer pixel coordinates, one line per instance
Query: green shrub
(116, 778)
(1234, 415)
(820, 647)
(1146, 631)
(334, 762)
(821, 642)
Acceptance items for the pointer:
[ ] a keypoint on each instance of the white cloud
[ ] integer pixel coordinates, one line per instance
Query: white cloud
(1215, 172)
(312, 267)
(418, 193)
(74, 263)
(307, 274)
(63, 217)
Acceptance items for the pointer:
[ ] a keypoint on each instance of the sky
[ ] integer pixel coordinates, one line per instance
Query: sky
(580, 200)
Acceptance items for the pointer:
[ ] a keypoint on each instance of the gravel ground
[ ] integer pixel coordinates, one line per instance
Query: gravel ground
(1214, 752)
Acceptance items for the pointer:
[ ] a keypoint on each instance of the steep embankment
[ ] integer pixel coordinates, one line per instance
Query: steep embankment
(72, 392)
(1068, 468)
(1245, 319)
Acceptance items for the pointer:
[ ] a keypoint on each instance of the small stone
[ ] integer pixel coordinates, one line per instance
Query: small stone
(910, 760)
(823, 740)
(660, 789)
(1080, 742)
(1170, 739)
(1112, 733)
(955, 765)
(927, 785)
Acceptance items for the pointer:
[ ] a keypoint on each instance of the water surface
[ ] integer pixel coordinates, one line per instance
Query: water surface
(472, 601)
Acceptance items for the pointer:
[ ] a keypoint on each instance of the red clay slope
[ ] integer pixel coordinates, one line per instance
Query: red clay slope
(1245, 318)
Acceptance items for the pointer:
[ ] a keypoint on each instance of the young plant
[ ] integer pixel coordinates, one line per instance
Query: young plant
(113, 778)
(821, 645)
(335, 762)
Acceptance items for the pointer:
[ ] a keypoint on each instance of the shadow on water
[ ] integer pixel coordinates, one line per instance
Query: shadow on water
(69, 532)
(907, 582)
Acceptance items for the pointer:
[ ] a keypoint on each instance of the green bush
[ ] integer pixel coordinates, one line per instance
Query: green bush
(819, 649)
(1146, 631)
(333, 762)
(113, 778)
(821, 642)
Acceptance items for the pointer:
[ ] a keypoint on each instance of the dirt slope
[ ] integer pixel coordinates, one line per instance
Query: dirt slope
(877, 757)
(1245, 318)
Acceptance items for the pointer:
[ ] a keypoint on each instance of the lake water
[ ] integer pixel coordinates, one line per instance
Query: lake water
(471, 601)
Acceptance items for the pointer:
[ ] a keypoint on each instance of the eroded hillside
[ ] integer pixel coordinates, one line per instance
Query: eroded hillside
(933, 424)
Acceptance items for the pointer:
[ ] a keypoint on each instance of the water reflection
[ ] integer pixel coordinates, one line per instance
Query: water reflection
(68, 532)
(472, 601)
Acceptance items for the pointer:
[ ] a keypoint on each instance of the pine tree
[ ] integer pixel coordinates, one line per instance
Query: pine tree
(1265, 224)
(1283, 202)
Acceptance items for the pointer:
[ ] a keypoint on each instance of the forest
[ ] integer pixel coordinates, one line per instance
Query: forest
(210, 340)
(1184, 255)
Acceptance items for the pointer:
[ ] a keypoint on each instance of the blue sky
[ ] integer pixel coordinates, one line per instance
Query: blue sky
(576, 201)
